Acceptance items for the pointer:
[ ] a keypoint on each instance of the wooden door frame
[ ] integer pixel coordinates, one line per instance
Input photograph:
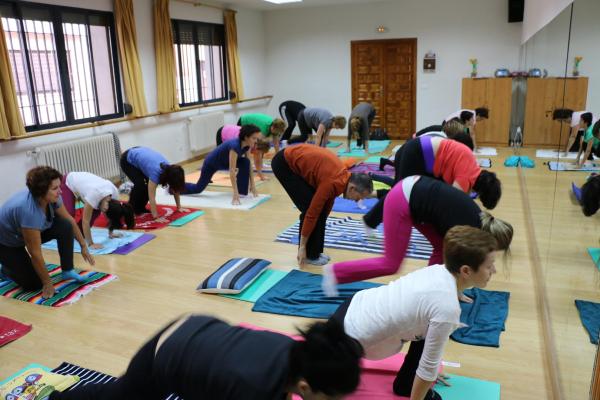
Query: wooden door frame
(413, 43)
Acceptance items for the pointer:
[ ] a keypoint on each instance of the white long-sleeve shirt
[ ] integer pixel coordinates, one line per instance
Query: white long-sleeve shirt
(420, 305)
(456, 114)
(91, 188)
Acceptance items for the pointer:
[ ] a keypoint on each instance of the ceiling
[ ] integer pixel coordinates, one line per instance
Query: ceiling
(266, 6)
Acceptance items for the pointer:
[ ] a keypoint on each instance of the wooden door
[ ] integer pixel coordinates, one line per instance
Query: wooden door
(384, 74)
(543, 97)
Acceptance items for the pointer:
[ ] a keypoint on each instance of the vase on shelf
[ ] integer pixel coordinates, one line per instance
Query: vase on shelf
(576, 65)
(473, 62)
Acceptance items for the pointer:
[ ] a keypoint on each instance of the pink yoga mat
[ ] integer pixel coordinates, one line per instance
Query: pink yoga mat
(376, 379)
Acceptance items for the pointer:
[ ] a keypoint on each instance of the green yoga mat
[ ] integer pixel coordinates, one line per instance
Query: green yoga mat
(334, 144)
(260, 286)
(373, 159)
(184, 220)
(595, 254)
(468, 388)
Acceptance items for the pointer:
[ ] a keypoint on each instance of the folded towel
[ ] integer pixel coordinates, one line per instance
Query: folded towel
(589, 313)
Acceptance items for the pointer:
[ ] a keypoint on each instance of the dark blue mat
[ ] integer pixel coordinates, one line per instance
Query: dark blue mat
(589, 313)
(485, 318)
(300, 294)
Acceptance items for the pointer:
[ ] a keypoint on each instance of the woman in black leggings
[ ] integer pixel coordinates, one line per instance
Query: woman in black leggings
(201, 357)
(289, 111)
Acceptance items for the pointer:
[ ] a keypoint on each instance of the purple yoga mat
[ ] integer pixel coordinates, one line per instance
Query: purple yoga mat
(128, 248)
(374, 168)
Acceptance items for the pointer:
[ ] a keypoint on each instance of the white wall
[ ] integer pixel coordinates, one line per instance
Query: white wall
(308, 49)
(167, 134)
(548, 48)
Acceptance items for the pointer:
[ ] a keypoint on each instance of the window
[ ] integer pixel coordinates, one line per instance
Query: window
(63, 63)
(200, 62)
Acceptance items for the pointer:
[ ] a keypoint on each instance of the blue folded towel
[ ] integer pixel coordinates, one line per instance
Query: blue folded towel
(512, 161)
(485, 318)
(590, 318)
(350, 206)
(300, 294)
(527, 162)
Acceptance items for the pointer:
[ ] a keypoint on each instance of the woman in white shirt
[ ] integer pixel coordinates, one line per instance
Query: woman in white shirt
(469, 118)
(578, 121)
(98, 195)
(422, 308)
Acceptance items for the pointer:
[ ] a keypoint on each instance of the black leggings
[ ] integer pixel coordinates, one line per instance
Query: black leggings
(219, 137)
(406, 375)
(289, 111)
(301, 194)
(16, 261)
(138, 198)
(305, 130)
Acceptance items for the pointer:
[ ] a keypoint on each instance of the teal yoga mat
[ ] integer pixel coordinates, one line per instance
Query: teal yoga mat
(373, 159)
(334, 144)
(262, 284)
(595, 254)
(184, 220)
(468, 388)
(375, 146)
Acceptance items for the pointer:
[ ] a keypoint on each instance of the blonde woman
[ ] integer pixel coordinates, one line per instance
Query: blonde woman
(361, 118)
(271, 128)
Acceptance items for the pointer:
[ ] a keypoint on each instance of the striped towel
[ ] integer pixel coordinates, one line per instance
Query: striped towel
(67, 291)
(347, 233)
(90, 376)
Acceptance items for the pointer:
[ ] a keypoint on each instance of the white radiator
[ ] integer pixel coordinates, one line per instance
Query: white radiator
(97, 154)
(202, 130)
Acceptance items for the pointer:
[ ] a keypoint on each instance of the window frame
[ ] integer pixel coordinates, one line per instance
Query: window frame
(55, 12)
(178, 60)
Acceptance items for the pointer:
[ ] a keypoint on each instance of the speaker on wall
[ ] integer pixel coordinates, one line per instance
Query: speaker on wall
(515, 10)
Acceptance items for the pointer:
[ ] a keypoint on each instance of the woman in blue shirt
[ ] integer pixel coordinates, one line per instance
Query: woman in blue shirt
(31, 217)
(147, 169)
(233, 155)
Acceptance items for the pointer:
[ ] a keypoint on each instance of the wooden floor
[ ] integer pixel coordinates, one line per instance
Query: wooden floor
(157, 283)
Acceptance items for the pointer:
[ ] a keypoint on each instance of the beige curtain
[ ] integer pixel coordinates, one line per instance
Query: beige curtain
(233, 59)
(166, 87)
(132, 71)
(11, 124)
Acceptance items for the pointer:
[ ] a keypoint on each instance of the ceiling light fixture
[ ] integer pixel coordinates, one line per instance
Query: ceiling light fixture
(283, 1)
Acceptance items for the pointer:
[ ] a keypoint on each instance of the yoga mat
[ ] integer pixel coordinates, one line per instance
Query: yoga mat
(187, 218)
(486, 151)
(11, 330)
(299, 293)
(366, 168)
(67, 291)
(576, 191)
(595, 254)
(35, 382)
(557, 154)
(373, 159)
(485, 318)
(375, 146)
(484, 162)
(260, 286)
(380, 185)
(142, 240)
(564, 166)
(100, 236)
(350, 206)
(19, 372)
(208, 199)
(90, 376)
(219, 179)
(589, 313)
(347, 233)
(146, 221)
(464, 388)
(334, 144)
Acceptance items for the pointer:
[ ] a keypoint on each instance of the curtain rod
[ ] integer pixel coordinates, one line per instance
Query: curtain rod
(199, 4)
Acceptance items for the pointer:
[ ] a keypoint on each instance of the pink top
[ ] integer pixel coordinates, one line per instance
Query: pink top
(455, 162)
(230, 132)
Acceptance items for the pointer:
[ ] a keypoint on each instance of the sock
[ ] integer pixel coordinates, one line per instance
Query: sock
(71, 274)
(329, 283)
(317, 261)
(325, 256)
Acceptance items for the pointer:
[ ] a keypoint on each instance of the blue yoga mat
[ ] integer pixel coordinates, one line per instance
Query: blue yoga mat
(375, 146)
(485, 318)
(576, 191)
(300, 294)
(351, 206)
(589, 313)
(100, 236)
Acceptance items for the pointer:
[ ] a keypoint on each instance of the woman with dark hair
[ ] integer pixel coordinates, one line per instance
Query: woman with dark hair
(469, 118)
(233, 155)
(589, 142)
(147, 169)
(590, 196)
(289, 111)
(31, 217)
(421, 308)
(98, 195)
(262, 147)
(433, 208)
(576, 121)
(446, 159)
(201, 357)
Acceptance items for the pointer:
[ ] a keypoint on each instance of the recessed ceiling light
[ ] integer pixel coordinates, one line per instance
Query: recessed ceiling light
(283, 1)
